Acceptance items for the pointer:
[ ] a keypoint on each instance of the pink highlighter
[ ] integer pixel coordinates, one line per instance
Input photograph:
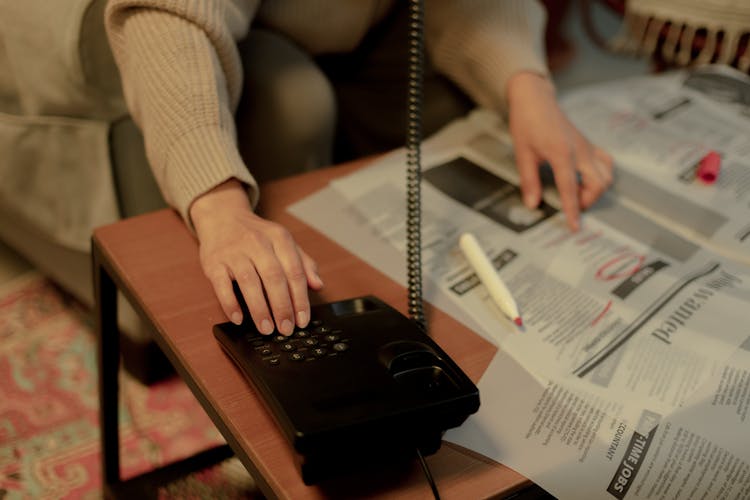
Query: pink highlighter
(709, 167)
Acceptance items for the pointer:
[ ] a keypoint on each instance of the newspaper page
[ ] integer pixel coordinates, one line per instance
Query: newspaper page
(658, 128)
(618, 306)
(570, 442)
(621, 333)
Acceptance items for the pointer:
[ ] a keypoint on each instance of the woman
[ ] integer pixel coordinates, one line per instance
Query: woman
(182, 73)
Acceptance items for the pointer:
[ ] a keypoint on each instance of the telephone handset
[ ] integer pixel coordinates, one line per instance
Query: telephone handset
(362, 384)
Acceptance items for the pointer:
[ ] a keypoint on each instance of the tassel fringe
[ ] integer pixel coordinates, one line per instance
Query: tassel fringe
(675, 40)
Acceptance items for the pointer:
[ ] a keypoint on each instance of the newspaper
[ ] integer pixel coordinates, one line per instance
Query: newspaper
(635, 334)
(571, 444)
(658, 128)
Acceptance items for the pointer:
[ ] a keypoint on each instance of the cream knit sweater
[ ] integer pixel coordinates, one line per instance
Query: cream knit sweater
(182, 76)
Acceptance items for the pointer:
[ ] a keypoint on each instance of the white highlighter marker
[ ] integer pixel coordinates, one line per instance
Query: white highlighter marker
(488, 276)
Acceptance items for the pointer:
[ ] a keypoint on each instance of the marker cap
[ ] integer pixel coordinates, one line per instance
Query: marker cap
(709, 167)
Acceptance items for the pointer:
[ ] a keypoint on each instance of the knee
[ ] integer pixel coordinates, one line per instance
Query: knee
(304, 103)
(285, 94)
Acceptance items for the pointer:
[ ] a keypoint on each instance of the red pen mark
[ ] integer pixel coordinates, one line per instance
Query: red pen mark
(622, 266)
(559, 240)
(601, 314)
(622, 119)
(588, 238)
(708, 168)
(518, 321)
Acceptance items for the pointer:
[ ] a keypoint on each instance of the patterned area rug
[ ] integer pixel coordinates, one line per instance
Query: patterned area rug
(49, 437)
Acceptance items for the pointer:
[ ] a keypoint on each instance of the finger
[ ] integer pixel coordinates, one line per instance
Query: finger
(288, 253)
(606, 165)
(252, 291)
(314, 280)
(274, 280)
(592, 182)
(528, 171)
(222, 284)
(596, 175)
(564, 171)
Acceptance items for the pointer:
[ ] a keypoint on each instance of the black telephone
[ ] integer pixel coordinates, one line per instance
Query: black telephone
(362, 383)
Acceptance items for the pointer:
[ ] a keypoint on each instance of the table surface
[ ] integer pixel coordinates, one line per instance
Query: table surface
(156, 259)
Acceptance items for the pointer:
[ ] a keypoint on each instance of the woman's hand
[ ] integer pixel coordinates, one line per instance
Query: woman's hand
(541, 132)
(272, 272)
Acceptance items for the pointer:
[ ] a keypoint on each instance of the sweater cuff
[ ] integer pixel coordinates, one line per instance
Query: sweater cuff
(487, 77)
(204, 158)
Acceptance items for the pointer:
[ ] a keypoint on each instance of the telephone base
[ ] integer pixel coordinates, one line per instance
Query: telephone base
(317, 468)
(362, 383)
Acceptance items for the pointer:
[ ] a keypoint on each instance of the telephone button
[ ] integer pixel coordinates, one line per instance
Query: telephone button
(288, 347)
(340, 347)
(297, 356)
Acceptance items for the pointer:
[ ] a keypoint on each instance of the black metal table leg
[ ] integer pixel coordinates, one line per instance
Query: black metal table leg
(108, 337)
(145, 485)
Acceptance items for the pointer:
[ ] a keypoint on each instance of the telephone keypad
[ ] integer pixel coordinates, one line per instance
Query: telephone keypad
(315, 342)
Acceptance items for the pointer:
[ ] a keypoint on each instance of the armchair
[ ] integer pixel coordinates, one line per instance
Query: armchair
(72, 157)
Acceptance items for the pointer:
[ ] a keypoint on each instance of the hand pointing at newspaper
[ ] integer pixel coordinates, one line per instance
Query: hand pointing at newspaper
(541, 132)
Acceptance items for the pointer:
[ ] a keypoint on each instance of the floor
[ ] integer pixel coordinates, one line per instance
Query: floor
(590, 65)
(11, 264)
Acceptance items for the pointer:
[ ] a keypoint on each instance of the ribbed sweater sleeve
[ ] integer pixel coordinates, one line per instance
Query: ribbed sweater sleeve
(182, 75)
(182, 79)
(480, 44)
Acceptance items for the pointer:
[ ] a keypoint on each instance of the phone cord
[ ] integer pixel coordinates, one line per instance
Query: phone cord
(413, 182)
(413, 162)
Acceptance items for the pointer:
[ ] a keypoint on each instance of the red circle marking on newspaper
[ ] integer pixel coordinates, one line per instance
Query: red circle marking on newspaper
(624, 265)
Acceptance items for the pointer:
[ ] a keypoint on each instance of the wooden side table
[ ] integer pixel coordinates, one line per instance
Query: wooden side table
(153, 260)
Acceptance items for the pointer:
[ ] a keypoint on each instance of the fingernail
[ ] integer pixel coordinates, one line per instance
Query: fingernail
(320, 281)
(530, 201)
(286, 327)
(236, 318)
(301, 319)
(266, 327)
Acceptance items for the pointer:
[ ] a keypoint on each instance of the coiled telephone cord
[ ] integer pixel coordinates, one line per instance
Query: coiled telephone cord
(413, 163)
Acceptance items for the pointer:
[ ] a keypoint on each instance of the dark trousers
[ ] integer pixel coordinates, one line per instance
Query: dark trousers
(298, 112)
